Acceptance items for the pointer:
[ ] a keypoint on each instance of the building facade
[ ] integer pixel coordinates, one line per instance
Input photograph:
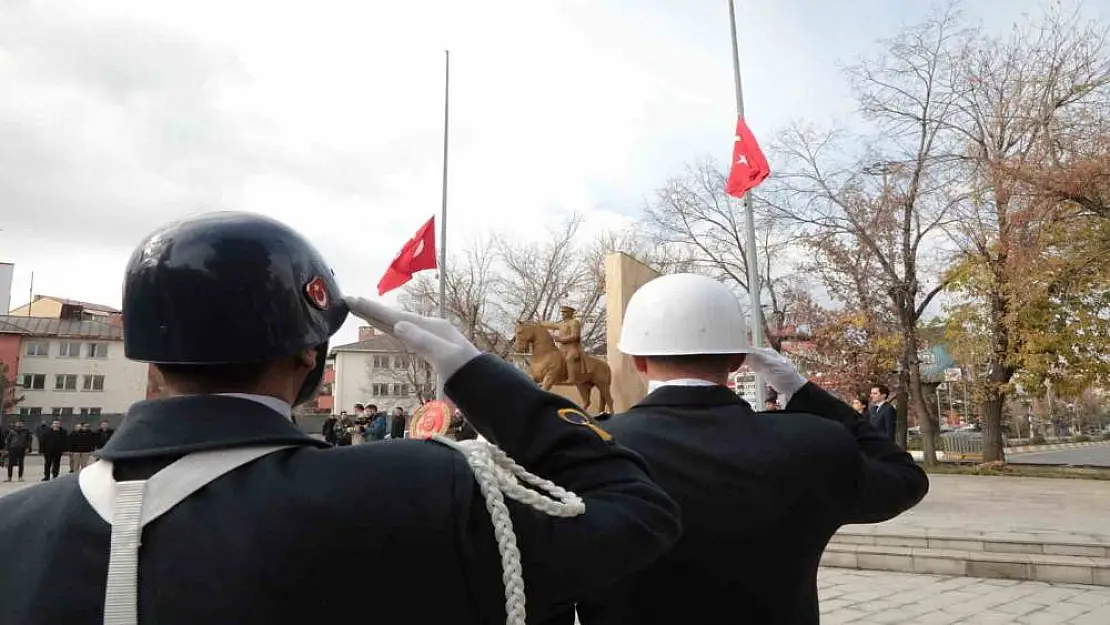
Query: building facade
(379, 370)
(69, 367)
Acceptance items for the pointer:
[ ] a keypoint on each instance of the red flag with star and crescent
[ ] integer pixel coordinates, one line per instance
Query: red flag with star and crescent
(418, 254)
(749, 166)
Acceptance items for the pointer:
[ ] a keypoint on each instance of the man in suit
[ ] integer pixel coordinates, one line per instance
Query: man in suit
(398, 423)
(53, 444)
(882, 412)
(761, 493)
(243, 518)
(104, 434)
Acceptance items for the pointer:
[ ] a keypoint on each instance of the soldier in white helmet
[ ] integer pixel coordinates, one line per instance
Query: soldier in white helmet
(760, 493)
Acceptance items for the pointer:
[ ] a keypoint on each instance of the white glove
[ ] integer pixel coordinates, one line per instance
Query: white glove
(777, 370)
(434, 340)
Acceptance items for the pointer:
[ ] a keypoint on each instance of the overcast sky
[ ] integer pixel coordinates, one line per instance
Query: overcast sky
(119, 115)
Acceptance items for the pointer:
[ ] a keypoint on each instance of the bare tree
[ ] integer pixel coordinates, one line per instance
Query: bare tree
(8, 387)
(473, 285)
(397, 374)
(693, 216)
(1019, 101)
(857, 339)
(415, 374)
(894, 199)
(662, 258)
(540, 276)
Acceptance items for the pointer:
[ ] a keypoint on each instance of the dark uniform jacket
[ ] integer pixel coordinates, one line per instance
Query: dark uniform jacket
(761, 494)
(18, 440)
(103, 436)
(82, 441)
(328, 429)
(397, 426)
(286, 538)
(54, 442)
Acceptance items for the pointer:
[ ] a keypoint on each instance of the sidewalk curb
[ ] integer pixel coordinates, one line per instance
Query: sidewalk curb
(917, 454)
(1053, 447)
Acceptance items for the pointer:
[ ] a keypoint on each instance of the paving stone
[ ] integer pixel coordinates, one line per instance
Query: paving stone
(1042, 618)
(1091, 599)
(1099, 616)
(847, 615)
(889, 616)
(882, 597)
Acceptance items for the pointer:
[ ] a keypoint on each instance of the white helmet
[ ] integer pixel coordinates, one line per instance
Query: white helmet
(683, 314)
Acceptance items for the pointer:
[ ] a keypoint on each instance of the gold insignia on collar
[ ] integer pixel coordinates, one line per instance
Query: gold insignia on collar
(577, 417)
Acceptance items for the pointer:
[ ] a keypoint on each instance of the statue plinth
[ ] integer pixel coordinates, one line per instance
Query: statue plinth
(624, 275)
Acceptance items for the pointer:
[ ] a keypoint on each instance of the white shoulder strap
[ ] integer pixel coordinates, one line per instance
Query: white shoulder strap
(129, 506)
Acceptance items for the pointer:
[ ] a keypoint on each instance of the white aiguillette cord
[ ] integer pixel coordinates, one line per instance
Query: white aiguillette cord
(499, 476)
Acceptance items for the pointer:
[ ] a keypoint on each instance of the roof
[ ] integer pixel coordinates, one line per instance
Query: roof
(385, 343)
(73, 302)
(376, 343)
(62, 328)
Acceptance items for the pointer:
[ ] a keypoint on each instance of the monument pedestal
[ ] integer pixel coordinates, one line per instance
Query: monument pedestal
(623, 276)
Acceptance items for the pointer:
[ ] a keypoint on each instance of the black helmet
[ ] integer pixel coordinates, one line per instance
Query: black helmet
(228, 287)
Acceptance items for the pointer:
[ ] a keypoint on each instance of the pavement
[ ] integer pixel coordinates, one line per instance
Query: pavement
(1019, 508)
(866, 597)
(1095, 456)
(32, 474)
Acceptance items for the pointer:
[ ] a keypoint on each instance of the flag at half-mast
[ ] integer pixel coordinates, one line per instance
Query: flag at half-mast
(749, 165)
(418, 254)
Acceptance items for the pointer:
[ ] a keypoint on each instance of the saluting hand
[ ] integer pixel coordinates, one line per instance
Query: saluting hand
(434, 340)
(777, 370)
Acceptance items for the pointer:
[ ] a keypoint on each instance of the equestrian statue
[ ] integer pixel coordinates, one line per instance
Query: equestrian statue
(559, 360)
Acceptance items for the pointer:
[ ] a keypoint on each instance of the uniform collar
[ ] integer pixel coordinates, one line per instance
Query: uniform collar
(190, 423)
(654, 385)
(702, 395)
(272, 403)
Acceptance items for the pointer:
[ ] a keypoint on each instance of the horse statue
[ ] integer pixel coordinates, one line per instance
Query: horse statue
(549, 368)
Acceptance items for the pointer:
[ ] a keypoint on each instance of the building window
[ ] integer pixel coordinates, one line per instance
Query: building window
(379, 390)
(93, 383)
(65, 382)
(381, 362)
(88, 411)
(69, 350)
(38, 348)
(98, 350)
(401, 390)
(29, 411)
(400, 362)
(61, 412)
(33, 381)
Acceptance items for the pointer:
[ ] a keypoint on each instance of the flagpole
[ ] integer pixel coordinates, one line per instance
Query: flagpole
(754, 285)
(443, 208)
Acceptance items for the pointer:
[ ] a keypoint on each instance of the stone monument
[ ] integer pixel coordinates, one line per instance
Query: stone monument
(623, 276)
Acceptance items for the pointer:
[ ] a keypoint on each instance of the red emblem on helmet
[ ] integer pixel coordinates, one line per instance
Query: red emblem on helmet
(317, 293)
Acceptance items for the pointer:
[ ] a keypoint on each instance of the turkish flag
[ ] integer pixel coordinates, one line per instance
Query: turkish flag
(417, 255)
(749, 166)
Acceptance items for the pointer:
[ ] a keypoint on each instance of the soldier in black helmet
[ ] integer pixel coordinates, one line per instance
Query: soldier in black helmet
(210, 506)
